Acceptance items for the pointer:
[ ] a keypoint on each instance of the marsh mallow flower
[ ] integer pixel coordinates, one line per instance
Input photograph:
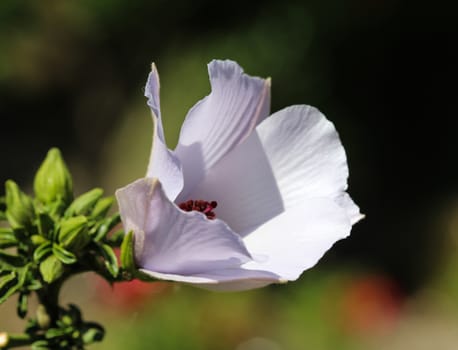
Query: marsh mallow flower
(245, 199)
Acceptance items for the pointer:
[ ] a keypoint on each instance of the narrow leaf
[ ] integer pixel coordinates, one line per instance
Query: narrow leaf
(42, 251)
(63, 255)
(110, 260)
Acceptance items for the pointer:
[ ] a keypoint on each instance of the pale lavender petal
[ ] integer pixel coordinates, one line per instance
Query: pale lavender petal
(244, 186)
(305, 153)
(295, 240)
(171, 241)
(222, 120)
(351, 208)
(163, 163)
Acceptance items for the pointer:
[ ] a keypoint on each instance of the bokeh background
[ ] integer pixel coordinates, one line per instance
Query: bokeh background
(384, 71)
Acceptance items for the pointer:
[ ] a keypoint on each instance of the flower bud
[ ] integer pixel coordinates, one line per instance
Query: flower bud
(73, 234)
(51, 269)
(53, 181)
(19, 206)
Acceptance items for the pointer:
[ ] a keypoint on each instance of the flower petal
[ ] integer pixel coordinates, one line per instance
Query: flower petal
(171, 241)
(244, 186)
(305, 154)
(235, 279)
(295, 240)
(163, 163)
(223, 119)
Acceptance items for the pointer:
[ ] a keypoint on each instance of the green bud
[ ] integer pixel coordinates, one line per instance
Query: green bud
(42, 317)
(53, 181)
(73, 234)
(19, 206)
(84, 203)
(51, 269)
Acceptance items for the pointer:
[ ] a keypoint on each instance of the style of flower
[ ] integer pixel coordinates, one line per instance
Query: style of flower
(245, 199)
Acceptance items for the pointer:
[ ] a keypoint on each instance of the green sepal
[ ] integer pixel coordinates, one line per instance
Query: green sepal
(110, 260)
(73, 233)
(53, 180)
(45, 225)
(106, 226)
(102, 207)
(63, 255)
(127, 253)
(22, 304)
(19, 207)
(51, 269)
(84, 203)
(42, 251)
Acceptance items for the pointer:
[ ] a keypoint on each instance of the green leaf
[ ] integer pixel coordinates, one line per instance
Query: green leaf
(22, 304)
(53, 181)
(8, 284)
(7, 238)
(110, 260)
(51, 269)
(106, 226)
(40, 345)
(93, 333)
(42, 251)
(84, 203)
(102, 207)
(63, 255)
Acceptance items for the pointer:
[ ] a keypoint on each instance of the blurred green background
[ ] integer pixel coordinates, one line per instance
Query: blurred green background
(384, 71)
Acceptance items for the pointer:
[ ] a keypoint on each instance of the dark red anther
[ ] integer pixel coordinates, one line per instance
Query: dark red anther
(200, 206)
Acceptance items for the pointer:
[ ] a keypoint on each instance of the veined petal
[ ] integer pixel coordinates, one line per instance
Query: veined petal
(171, 241)
(222, 120)
(163, 163)
(295, 240)
(305, 154)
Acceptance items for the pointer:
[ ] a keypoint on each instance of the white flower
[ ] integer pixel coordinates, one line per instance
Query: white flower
(279, 183)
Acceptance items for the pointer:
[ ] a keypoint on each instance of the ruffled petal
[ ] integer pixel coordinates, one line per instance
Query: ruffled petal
(163, 163)
(222, 120)
(295, 240)
(171, 241)
(305, 154)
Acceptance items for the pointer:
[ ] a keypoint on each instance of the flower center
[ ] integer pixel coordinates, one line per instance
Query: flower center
(201, 206)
